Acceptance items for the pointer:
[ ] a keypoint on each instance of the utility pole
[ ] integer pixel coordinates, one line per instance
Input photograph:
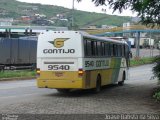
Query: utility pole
(150, 46)
(72, 15)
(137, 43)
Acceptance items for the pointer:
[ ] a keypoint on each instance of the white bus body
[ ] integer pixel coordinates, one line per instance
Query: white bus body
(62, 63)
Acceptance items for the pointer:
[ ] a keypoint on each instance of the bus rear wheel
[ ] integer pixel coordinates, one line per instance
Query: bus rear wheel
(98, 85)
(121, 83)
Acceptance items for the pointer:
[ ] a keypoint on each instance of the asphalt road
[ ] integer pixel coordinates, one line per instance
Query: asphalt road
(23, 97)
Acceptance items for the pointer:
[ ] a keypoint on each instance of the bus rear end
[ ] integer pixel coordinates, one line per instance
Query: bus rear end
(59, 60)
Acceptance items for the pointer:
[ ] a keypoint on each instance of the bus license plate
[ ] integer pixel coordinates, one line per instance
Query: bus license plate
(58, 74)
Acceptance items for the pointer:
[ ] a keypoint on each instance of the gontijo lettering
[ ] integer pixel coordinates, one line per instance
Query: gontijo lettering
(58, 43)
(57, 51)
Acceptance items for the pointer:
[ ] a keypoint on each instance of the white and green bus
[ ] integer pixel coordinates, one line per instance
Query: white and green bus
(76, 60)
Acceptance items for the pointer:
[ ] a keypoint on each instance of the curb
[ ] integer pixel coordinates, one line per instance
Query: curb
(17, 78)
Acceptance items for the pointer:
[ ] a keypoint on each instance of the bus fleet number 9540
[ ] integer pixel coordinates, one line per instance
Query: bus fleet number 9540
(58, 67)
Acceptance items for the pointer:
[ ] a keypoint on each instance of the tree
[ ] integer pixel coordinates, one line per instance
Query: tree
(148, 10)
(156, 72)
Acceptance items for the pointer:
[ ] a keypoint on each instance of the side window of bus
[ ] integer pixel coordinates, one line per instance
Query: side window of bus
(114, 50)
(99, 48)
(111, 48)
(94, 48)
(119, 50)
(102, 48)
(87, 45)
(107, 49)
(122, 47)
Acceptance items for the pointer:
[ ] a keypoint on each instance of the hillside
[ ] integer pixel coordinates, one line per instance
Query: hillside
(15, 9)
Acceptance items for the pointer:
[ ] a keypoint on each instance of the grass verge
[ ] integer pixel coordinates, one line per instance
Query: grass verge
(17, 74)
(140, 61)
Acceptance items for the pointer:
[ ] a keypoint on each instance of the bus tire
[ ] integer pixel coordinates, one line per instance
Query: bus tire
(63, 90)
(98, 85)
(121, 83)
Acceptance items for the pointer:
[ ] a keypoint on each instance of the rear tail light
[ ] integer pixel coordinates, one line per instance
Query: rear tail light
(38, 72)
(80, 72)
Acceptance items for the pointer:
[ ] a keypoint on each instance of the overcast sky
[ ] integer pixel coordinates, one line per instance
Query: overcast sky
(85, 5)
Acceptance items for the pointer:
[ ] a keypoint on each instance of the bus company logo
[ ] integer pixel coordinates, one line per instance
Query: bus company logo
(58, 42)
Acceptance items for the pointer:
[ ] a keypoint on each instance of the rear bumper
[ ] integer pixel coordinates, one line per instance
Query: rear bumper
(60, 79)
(60, 84)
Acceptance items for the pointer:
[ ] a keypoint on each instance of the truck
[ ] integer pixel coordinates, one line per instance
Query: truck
(16, 52)
(132, 41)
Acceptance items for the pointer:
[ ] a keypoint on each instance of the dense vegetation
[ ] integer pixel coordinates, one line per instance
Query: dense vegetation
(157, 94)
(156, 71)
(15, 9)
(156, 68)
